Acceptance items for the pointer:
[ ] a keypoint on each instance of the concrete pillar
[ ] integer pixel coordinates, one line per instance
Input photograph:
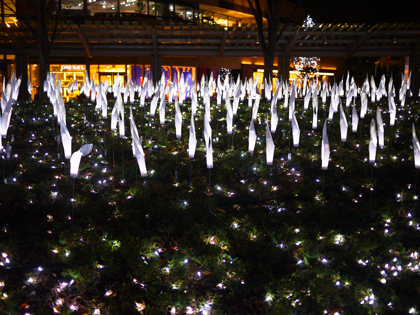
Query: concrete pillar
(22, 69)
(414, 62)
(156, 67)
(284, 67)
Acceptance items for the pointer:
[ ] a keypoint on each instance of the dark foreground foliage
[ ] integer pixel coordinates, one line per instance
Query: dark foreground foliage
(242, 238)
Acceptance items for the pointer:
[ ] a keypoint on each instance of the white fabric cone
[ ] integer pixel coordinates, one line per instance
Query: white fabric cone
(373, 143)
(354, 119)
(121, 120)
(76, 156)
(315, 109)
(138, 152)
(208, 140)
(295, 131)
(269, 146)
(416, 147)
(192, 143)
(252, 137)
(229, 116)
(153, 105)
(66, 140)
(255, 107)
(292, 102)
(307, 99)
(178, 119)
(325, 148)
(162, 110)
(363, 109)
(381, 130)
(343, 124)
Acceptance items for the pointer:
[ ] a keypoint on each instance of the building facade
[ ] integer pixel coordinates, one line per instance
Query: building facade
(137, 39)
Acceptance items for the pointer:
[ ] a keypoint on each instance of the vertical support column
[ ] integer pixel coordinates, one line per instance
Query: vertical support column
(284, 67)
(3, 19)
(414, 62)
(85, 8)
(156, 67)
(22, 69)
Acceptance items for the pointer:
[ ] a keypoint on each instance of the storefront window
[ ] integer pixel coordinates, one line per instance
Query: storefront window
(221, 19)
(137, 74)
(111, 72)
(188, 76)
(147, 72)
(67, 75)
(155, 8)
(166, 70)
(103, 7)
(94, 74)
(33, 76)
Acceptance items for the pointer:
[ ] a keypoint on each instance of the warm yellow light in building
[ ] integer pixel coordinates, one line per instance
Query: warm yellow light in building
(325, 73)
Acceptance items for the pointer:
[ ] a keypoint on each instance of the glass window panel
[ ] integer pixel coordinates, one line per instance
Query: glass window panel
(133, 6)
(137, 74)
(103, 7)
(221, 19)
(155, 8)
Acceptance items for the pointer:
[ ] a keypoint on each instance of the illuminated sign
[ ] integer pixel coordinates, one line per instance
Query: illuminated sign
(72, 67)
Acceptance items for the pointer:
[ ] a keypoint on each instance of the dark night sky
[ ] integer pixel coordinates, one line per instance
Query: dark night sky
(358, 11)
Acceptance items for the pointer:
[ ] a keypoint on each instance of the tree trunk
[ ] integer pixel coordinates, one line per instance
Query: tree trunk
(44, 67)
(44, 46)
(269, 63)
(273, 27)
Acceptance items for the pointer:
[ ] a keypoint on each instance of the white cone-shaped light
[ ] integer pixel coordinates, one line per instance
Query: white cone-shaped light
(274, 116)
(373, 143)
(138, 152)
(325, 148)
(252, 137)
(121, 120)
(416, 146)
(229, 115)
(269, 146)
(292, 102)
(192, 143)
(162, 109)
(208, 140)
(66, 140)
(295, 131)
(392, 109)
(363, 109)
(114, 113)
(255, 107)
(178, 119)
(343, 124)
(5, 118)
(354, 119)
(315, 110)
(76, 156)
(153, 105)
(381, 130)
(307, 99)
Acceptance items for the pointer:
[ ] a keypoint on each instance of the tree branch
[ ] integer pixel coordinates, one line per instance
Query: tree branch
(270, 20)
(23, 18)
(260, 27)
(290, 17)
(57, 18)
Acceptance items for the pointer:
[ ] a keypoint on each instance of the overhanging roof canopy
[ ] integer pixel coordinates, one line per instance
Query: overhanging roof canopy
(116, 37)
